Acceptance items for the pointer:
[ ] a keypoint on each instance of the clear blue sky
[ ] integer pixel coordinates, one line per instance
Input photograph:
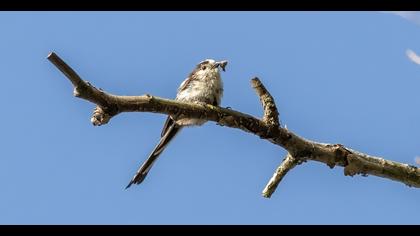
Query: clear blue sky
(339, 77)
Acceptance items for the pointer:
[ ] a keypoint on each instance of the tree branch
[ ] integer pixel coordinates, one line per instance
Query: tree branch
(268, 128)
(288, 163)
(271, 115)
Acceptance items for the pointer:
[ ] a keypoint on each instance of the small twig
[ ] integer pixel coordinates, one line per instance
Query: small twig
(271, 115)
(288, 163)
(105, 109)
(66, 69)
(82, 88)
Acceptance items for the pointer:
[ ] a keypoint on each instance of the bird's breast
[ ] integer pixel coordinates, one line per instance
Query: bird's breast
(206, 91)
(200, 91)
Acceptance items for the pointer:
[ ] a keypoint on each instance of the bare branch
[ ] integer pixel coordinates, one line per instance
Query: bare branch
(298, 147)
(288, 163)
(85, 90)
(362, 164)
(271, 115)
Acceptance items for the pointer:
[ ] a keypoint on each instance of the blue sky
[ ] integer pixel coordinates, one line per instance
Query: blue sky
(339, 77)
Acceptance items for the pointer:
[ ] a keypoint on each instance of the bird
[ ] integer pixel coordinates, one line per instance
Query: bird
(202, 86)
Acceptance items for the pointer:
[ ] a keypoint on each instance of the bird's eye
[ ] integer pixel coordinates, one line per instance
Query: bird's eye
(203, 67)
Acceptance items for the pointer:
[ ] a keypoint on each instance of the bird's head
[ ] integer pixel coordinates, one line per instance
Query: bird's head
(209, 68)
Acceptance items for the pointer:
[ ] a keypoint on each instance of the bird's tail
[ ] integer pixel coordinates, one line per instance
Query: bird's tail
(141, 174)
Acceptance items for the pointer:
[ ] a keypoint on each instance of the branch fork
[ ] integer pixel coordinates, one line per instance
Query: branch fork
(299, 150)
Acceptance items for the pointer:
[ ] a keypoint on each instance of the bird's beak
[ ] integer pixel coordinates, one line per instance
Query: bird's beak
(222, 64)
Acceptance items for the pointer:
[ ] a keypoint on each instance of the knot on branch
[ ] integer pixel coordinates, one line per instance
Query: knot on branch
(82, 87)
(354, 166)
(100, 116)
(76, 91)
(341, 154)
